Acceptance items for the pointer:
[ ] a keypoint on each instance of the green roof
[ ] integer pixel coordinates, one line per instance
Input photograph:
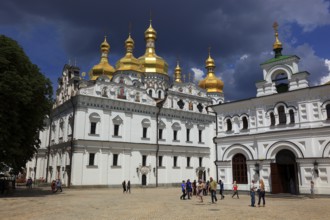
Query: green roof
(278, 59)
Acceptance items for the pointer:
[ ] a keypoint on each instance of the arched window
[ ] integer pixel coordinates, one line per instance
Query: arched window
(150, 92)
(239, 169)
(281, 82)
(94, 120)
(245, 123)
(272, 119)
(145, 125)
(159, 94)
(281, 115)
(291, 112)
(328, 110)
(229, 127)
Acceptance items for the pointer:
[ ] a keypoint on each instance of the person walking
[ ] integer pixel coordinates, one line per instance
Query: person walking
(189, 189)
(183, 189)
(221, 189)
(194, 187)
(312, 188)
(124, 186)
(128, 187)
(200, 189)
(58, 185)
(261, 192)
(253, 194)
(213, 190)
(235, 188)
(53, 186)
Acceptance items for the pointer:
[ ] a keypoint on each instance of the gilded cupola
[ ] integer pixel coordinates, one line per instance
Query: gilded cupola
(103, 68)
(177, 73)
(277, 46)
(150, 61)
(129, 62)
(211, 83)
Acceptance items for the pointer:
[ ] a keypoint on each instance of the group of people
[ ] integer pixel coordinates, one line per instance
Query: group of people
(126, 187)
(56, 185)
(260, 191)
(202, 188)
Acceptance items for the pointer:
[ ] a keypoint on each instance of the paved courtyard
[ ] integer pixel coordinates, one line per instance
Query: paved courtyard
(151, 203)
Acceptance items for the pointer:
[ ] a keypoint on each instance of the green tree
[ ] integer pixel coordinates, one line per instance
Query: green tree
(25, 100)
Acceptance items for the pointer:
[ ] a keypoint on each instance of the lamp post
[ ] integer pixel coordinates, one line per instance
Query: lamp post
(159, 106)
(215, 143)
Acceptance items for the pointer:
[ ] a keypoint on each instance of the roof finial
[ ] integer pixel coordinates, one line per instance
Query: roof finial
(277, 46)
(150, 17)
(209, 51)
(129, 28)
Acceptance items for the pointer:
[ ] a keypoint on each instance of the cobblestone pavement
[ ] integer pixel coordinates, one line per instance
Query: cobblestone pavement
(151, 203)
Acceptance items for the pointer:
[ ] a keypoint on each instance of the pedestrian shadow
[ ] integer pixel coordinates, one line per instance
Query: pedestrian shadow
(34, 192)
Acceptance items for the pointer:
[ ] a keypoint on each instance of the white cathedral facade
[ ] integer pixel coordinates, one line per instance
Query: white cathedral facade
(129, 122)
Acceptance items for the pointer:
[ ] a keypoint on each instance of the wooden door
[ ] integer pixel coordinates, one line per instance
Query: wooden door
(144, 180)
(276, 178)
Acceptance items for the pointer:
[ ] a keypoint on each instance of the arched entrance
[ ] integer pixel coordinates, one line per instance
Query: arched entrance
(284, 173)
(144, 180)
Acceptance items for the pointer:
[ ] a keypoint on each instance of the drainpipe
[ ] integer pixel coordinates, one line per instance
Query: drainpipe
(48, 150)
(215, 143)
(72, 140)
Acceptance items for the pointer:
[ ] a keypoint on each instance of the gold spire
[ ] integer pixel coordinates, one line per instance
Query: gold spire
(277, 46)
(129, 62)
(103, 68)
(211, 83)
(151, 62)
(177, 73)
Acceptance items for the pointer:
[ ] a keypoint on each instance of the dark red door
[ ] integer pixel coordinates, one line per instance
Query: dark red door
(276, 178)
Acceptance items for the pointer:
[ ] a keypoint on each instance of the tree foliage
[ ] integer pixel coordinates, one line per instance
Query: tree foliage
(25, 100)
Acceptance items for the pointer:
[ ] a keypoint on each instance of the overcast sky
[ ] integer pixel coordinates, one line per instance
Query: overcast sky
(239, 32)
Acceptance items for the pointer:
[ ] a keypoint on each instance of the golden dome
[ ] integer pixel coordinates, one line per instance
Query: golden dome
(277, 44)
(129, 62)
(150, 33)
(177, 73)
(211, 83)
(150, 61)
(103, 68)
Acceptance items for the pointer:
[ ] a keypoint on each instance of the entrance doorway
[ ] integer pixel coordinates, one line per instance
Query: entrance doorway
(144, 180)
(284, 173)
(202, 175)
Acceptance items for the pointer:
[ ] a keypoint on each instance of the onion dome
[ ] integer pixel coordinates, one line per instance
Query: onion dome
(129, 62)
(150, 61)
(211, 83)
(103, 68)
(177, 73)
(277, 46)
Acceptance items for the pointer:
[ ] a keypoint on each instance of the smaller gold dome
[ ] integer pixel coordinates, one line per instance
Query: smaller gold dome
(277, 44)
(129, 62)
(211, 83)
(150, 33)
(177, 73)
(103, 68)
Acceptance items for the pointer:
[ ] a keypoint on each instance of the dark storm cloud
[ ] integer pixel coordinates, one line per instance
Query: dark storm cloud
(185, 30)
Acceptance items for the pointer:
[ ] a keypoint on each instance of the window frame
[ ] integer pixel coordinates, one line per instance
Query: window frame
(239, 169)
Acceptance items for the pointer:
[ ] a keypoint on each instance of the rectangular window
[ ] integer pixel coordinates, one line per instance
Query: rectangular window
(160, 161)
(188, 161)
(145, 132)
(115, 160)
(200, 161)
(93, 128)
(200, 132)
(160, 134)
(91, 159)
(175, 135)
(175, 160)
(144, 160)
(116, 130)
(188, 134)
